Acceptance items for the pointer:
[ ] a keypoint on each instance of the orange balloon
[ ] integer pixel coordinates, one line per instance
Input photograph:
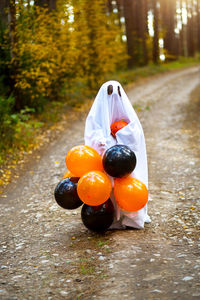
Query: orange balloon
(94, 188)
(130, 193)
(68, 174)
(82, 159)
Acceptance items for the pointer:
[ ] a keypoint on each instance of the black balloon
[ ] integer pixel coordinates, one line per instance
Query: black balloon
(66, 193)
(119, 161)
(98, 218)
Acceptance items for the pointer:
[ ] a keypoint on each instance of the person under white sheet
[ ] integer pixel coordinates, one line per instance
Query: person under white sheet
(112, 104)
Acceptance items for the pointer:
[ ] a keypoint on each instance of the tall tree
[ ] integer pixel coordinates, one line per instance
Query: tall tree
(12, 27)
(190, 28)
(4, 4)
(168, 17)
(155, 28)
(146, 9)
(51, 4)
(41, 3)
(110, 6)
(119, 6)
(128, 6)
(5, 83)
(13, 50)
(141, 29)
(183, 33)
(135, 13)
(198, 24)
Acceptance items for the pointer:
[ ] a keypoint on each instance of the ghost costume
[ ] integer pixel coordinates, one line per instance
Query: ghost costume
(112, 104)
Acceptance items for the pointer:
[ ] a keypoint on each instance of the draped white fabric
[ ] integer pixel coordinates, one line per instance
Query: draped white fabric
(105, 110)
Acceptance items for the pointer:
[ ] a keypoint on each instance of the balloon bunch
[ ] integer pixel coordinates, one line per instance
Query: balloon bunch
(87, 183)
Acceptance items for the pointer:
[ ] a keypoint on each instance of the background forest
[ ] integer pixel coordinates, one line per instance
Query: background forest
(56, 50)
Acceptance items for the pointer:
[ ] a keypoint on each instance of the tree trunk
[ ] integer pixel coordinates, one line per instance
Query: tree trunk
(135, 23)
(198, 24)
(168, 13)
(120, 11)
(142, 21)
(190, 29)
(110, 7)
(183, 34)
(155, 37)
(41, 3)
(4, 4)
(128, 6)
(181, 41)
(146, 8)
(119, 7)
(50, 4)
(5, 80)
(12, 26)
(13, 50)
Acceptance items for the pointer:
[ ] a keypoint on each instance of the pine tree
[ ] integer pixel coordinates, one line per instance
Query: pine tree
(141, 30)
(198, 24)
(130, 24)
(4, 4)
(190, 28)
(168, 17)
(50, 4)
(155, 28)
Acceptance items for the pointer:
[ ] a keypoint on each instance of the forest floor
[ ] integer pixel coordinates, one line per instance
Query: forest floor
(47, 253)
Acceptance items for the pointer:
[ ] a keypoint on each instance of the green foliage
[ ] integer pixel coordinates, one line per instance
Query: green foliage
(101, 243)
(16, 129)
(7, 122)
(87, 270)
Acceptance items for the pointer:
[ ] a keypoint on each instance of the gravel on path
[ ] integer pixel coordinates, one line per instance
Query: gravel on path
(47, 253)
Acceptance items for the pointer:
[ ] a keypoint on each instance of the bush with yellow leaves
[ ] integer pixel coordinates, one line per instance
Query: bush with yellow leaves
(59, 52)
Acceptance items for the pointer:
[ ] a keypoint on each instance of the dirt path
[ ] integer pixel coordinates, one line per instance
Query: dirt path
(47, 253)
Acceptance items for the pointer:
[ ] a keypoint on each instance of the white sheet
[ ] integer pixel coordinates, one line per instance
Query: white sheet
(105, 110)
